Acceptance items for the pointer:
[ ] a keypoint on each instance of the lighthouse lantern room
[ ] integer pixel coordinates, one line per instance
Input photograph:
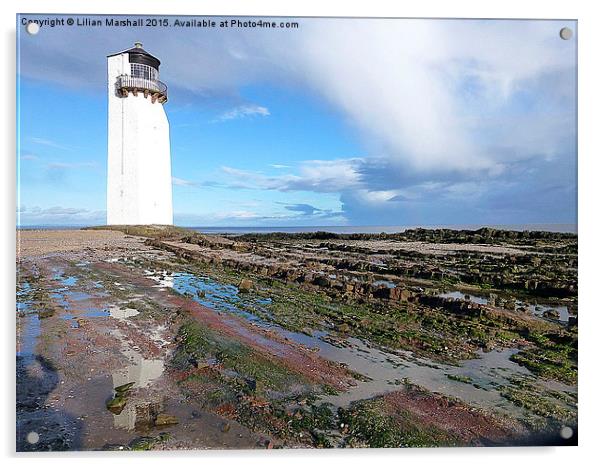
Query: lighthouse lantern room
(139, 190)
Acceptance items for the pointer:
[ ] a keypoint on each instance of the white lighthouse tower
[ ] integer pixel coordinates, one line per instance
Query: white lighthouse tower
(139, 161)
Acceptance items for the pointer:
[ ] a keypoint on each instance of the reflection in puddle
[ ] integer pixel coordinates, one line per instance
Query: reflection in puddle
(60, 277)
(28, 324)
(23, 297)
(388, 370)
(541, 310)
(122, 313)
(463, 296)
(76, 303)
(386, 283)
(28, 331)
(218, 296)
(141, 371)
(537, 309)
(137, 416)
(126, 419)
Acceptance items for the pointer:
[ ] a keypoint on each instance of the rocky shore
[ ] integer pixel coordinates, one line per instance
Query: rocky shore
(163, 338)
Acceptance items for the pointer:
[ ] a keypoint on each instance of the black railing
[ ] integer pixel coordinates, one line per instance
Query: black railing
(128, 82)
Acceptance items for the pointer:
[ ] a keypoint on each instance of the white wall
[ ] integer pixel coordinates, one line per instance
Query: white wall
(139, 162)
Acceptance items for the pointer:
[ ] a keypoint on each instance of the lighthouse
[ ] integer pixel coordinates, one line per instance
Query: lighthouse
(139, 160)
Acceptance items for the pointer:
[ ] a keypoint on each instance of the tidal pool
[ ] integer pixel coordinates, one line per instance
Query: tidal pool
(382, 370)
(536, 309)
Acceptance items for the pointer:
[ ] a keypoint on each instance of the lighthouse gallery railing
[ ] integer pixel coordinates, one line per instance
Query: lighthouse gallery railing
(126, 81)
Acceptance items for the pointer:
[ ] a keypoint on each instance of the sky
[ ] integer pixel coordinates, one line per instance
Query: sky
(337, 122)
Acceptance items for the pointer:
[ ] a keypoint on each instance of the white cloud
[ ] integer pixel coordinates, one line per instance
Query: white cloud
(71, 165)
(244, 111)
(50, 143)
(417, 90)
(314, 175)
(238, 215)
(376, 197)
(182, 182)
(295, 214)
(59, 215)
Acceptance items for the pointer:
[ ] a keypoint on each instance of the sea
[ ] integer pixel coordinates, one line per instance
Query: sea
(552, 227)
(231, 230)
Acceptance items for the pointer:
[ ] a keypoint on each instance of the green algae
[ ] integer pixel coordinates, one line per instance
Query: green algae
(553, 356)
(199, 343)
(368, 423)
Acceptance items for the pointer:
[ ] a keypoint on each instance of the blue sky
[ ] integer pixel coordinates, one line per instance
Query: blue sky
(338, 122)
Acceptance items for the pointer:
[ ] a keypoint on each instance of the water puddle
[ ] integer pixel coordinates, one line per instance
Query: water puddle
(463, 296)
(28, 332)
(60, 277)
(28, 324)
(76, 303)
(135, 414)
(474, 381)
(540, 310)
(140, 371)
(24, 302)
(388, 370)
(386, 283)
(218, 296)
(122, 313)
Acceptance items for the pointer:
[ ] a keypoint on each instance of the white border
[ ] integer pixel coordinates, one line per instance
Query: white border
(590, 152)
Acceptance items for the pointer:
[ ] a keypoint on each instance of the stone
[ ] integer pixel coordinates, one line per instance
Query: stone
(45, 313)
(552, 314)
(116, 404)
(321, 280)
(166, 420)
(202, 364)
(400, 294)
(245, 285)
(146, 413)
(382, 293)
(142, 444)
(81, 322)
(148, 443)
(251, 383)
(510, 305)
(124, 388)
(343, 328)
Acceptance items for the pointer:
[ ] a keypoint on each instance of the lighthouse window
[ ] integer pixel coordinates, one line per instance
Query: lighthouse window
(144, 71)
